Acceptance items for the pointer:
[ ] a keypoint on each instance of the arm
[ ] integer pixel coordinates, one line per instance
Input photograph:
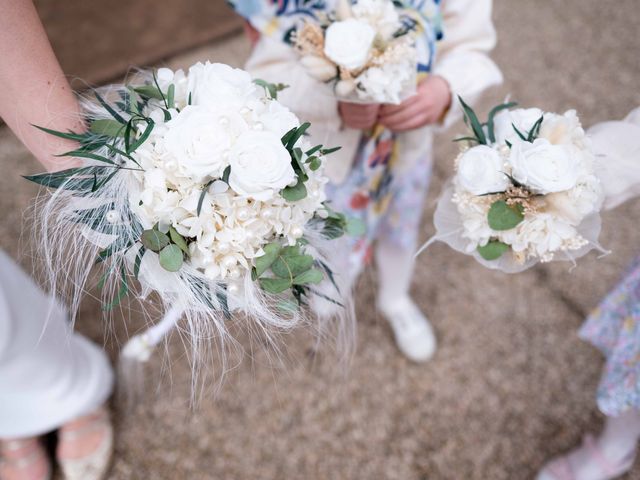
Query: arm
(463, 54)
(34, 89)
(462, 67)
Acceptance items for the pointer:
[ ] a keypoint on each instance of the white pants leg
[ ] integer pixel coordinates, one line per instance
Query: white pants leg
(48, 374)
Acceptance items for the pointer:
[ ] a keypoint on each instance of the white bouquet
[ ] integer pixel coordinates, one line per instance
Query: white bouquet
(525, 190)
(367, 50)
(202, 187)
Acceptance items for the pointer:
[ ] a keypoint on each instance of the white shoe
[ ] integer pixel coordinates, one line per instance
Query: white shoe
(95, 465)
(413, 332)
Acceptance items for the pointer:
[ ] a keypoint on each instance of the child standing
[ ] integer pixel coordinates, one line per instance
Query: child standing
(382, 172)
(614, 328)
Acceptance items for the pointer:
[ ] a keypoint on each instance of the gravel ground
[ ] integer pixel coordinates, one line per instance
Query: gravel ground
(511, 383)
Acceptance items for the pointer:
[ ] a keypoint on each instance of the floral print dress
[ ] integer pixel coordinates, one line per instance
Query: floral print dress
(614, 328)
(385, 197)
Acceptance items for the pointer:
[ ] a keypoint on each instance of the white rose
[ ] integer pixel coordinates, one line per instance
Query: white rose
(260, 165)
(348, 43)
(563, 129)
(278, 119)
(199, 140)
(219, 86)
(481, 171)
(381, 14)
(543, 167)
(523, 118)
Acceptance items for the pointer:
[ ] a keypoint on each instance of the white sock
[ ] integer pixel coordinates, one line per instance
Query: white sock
(616, 443)
(620, 435)
(395, 272)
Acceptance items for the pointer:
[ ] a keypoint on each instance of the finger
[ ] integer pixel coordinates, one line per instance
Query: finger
(389, 109)
(402, 115)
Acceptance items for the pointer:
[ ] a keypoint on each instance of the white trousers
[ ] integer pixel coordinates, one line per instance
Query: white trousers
(48, 374)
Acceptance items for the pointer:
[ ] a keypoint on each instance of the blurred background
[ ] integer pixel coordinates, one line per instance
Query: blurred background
(511, 384)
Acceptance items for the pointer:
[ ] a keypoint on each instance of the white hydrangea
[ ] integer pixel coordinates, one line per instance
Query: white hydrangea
(228, 123)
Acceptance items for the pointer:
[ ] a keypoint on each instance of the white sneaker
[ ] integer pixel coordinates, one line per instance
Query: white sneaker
(413, 332)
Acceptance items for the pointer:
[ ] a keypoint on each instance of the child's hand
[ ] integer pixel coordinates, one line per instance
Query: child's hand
(359, 116)
(431, 101)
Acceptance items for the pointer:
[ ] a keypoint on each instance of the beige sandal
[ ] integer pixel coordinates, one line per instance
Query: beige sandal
(95, 465)
(33, 464)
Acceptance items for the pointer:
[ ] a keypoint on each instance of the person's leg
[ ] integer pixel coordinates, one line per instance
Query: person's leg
(411, 328)
(49, 376)
(395, 250)
(603, 458)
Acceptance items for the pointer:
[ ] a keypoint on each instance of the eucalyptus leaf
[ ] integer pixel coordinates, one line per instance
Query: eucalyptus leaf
(275, 285)
(171, 258)
(154, 240)
(178, 240)
(292, 266)
(295, 193)
(262, 263)
(312, 275)
(493, 250)
(503, 216)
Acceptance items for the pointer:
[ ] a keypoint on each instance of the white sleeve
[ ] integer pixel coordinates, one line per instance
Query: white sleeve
(462, 57)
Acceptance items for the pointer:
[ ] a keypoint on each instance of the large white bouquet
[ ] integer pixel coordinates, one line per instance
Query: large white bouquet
(367, 50)
(202, 187)
(525, 190)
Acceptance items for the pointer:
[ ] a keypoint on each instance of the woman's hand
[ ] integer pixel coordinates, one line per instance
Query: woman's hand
(428, 106)
(359, 116)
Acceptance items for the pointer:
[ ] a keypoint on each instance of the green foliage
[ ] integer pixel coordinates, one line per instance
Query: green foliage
(154, 240)
(493, 250)
(483, 133)
(289, 267)
(106, 127)
(171, 258)
(178, 240)
(271, 89)
(505, 217)
(295, 193)
(471, 119)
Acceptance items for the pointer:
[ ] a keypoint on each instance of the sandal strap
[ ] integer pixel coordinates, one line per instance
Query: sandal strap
(100, 421)
(25, 460)
(17, 444)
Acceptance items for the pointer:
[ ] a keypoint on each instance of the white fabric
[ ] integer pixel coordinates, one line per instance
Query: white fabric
(617, 147)
(461, 59)
(48, 374)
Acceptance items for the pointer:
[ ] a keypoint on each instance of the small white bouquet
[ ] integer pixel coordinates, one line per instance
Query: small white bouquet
(525, 190)
(367, 50)
(202, 187)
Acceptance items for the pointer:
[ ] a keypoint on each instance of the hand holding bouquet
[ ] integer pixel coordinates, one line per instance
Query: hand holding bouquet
(525, 190)
(367, 50)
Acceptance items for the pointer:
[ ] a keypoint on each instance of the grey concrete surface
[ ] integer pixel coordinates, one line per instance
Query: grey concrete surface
(511, 383)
